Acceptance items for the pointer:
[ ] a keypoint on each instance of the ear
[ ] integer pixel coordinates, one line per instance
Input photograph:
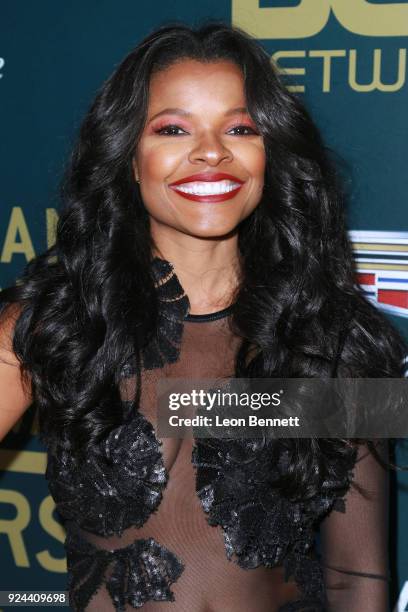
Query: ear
(135, 169)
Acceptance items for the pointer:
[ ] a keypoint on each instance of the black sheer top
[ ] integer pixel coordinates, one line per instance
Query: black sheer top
(193, 525)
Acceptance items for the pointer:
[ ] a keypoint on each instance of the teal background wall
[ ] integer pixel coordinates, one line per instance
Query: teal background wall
(53, 57)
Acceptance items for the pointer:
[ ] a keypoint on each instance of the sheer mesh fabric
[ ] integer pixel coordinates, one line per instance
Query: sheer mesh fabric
(209, 582)
(355, 543)
(177, 556)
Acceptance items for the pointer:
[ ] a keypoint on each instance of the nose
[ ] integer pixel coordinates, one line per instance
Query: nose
(211, 150)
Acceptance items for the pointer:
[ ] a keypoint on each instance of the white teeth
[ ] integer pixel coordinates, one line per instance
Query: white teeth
(207, 188)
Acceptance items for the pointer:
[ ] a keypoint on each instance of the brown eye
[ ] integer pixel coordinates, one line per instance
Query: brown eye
(243, 130)
(170, 130)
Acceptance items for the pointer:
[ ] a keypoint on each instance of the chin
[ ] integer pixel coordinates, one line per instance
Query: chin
(211, 232)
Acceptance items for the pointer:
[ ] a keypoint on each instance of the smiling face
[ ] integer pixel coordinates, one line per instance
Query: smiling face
(200, 158)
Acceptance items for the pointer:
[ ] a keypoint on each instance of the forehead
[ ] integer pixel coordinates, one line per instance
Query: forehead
(190, 83)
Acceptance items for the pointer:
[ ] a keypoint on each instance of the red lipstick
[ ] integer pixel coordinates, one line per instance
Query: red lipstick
(211, 178)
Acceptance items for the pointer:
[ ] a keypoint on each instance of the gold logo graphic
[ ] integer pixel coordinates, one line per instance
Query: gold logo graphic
(311, 16)
(329, 61)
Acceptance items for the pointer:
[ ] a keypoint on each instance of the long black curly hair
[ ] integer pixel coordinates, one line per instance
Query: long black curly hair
(89, 303)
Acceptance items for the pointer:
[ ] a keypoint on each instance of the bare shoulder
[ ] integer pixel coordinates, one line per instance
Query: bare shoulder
(8, 319)
(15, 389)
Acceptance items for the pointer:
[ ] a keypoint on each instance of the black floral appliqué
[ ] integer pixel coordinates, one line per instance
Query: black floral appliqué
(119, 485)
(173, 308)
(132, 575)
(236, 483)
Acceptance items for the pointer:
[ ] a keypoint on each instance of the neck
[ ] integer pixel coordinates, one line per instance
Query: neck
(208, 269)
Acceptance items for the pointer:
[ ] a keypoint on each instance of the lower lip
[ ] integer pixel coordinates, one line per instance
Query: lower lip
(219, 197)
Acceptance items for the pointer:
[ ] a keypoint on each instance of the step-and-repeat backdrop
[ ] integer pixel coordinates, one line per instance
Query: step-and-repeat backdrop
(346, 58)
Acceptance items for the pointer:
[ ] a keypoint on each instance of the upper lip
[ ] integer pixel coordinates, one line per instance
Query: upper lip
(207, 177)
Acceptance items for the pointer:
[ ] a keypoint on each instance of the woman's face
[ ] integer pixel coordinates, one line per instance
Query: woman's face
(200, 158)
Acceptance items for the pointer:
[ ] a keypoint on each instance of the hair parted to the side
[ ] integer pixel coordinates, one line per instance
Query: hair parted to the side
(89, 303)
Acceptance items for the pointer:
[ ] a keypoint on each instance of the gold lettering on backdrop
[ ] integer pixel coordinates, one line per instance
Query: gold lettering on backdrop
(367, 19)
(23, 461)
(54, 529)
(291, 71)
(17, 237)
(328, 67)
(307, 19)
(376, 82)
(13, 528)
(51, 217)
(311, 16)
(327, 62)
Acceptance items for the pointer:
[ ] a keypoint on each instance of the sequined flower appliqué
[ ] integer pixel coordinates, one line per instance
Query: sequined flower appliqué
(119, 485)
(236, 484)
(132, 575)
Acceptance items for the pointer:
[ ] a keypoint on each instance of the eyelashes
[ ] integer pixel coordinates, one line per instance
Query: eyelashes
(169, 130)
(247, 128)
(172, 129)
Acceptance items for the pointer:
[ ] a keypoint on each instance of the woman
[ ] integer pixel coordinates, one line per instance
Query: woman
(202, 236)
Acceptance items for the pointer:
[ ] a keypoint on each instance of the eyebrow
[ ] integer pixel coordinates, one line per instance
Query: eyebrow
(179, 111)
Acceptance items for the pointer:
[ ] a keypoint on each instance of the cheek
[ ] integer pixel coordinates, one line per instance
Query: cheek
(253, 159)
(156, 163)
(259, 162)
